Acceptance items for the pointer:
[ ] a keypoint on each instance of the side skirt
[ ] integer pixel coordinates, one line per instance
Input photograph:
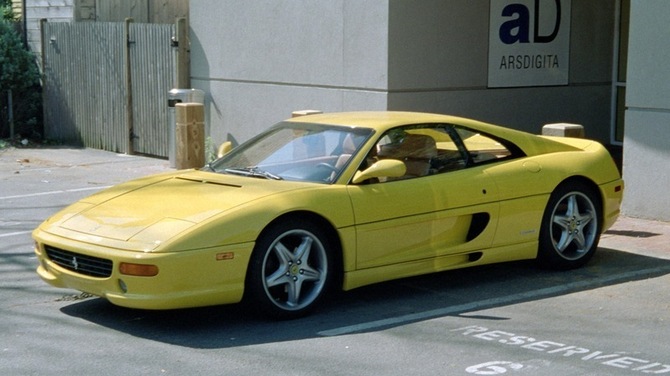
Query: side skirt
(515, 252)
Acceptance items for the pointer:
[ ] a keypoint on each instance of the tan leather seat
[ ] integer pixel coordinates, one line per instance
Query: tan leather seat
(415, 150)
(348, 148)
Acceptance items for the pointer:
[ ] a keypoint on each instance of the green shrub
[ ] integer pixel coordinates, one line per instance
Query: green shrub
(6, 12)
(18, 73)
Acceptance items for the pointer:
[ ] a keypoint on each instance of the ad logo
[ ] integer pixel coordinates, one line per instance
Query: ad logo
(529, 42)
(517, 29)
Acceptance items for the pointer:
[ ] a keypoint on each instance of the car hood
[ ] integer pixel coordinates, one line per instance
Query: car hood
(143, 214)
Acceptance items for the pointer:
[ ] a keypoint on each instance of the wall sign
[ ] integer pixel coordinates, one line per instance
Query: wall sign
(529, 42)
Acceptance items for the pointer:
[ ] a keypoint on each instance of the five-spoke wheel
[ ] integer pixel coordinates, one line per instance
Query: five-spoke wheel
(570, 227)
(290, 269)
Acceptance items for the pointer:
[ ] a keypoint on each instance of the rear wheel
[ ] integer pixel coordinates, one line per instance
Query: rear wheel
(290, 269)
(570, 227)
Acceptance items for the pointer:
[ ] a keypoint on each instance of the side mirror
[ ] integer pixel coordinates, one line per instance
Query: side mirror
(224, 149)
(388, 168)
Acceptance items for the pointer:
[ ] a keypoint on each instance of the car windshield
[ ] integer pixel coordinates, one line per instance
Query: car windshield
(295, 151)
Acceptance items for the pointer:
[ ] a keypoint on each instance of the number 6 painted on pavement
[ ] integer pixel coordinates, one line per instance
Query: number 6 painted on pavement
(493, 368)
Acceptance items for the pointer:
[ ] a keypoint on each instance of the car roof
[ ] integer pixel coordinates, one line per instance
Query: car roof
(383, 120)
(378, 120)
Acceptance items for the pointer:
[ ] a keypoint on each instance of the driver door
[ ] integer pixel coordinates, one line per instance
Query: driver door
(426, 217)
(422, 216)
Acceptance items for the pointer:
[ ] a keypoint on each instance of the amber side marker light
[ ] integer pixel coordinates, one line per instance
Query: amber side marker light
(225, 256)
(140, 270)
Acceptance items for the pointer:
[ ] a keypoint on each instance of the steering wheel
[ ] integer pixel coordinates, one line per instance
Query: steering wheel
(327, 166)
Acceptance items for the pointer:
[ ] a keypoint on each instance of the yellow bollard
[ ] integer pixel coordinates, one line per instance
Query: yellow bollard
(190, 135)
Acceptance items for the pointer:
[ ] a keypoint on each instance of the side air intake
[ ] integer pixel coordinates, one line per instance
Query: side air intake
(478, 225)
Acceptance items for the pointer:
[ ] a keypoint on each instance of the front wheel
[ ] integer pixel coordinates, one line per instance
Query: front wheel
(290, 269)
(570, 227)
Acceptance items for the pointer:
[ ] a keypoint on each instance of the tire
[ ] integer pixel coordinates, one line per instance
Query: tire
(290, 270)
(571, 227)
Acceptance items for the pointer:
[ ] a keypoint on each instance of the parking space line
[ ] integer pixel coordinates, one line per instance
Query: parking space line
(19, 233)
(495, 302)
(14, 234)
(54, 192)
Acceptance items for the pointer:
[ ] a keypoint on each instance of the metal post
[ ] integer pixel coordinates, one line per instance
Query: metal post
(183, 61)
(129, 86)
(43, 76)
(10, 114)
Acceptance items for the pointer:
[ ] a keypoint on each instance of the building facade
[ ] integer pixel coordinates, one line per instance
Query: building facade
(260, 61)
(647, 136)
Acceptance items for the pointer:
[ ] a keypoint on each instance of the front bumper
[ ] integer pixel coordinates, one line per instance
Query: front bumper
(202, 277)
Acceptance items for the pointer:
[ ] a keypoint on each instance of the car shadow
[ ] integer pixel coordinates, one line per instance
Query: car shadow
(373, 307)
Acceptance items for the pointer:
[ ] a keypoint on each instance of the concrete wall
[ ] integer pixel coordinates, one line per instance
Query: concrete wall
(647, 135)
(261, 60)
(438, 62)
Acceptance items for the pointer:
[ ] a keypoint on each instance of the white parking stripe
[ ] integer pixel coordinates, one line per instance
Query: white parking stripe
(55, 192)
(494, 302)
(14, 234)
(19, 233)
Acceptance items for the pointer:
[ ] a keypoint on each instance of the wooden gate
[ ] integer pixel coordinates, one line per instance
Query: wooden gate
(106, 84)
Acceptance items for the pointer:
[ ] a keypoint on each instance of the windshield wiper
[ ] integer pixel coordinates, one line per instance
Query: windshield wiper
(254, 172)
(208, 167)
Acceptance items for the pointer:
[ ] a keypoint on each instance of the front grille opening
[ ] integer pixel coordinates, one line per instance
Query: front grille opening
(79, 263)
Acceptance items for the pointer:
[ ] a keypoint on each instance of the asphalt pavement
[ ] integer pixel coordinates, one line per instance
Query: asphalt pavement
(608, 318)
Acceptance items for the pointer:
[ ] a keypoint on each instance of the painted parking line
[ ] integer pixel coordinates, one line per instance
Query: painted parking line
(20, 233)
(494, 302)
(14, 234)
(55, 192)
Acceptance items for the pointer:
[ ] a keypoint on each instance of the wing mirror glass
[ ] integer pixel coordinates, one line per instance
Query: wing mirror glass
(386, 168)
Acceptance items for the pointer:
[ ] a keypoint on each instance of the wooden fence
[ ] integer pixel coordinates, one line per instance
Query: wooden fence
(106, 84)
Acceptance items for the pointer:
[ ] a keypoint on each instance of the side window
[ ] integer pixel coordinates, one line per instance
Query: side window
(424, 149)
(451, 155)
(482, 148)
(430, 149)
(413, 146)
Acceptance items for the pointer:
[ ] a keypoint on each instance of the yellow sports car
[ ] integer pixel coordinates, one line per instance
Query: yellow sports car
(339, 201)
